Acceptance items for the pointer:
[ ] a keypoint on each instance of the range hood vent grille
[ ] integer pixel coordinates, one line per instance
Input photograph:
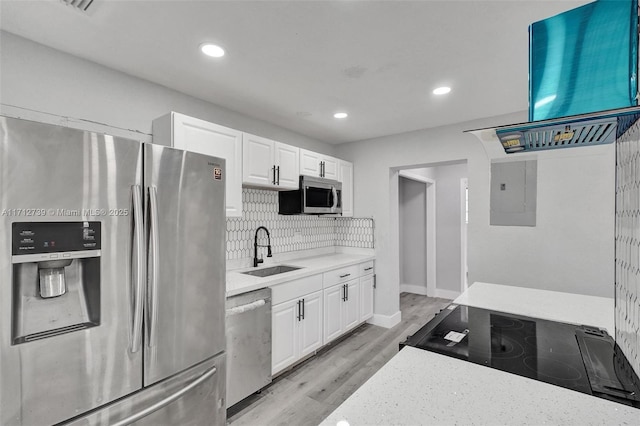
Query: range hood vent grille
(596, 128)
(595, 132)
(81, 5)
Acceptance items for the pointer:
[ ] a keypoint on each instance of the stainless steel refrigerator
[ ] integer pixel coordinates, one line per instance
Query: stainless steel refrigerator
(112, 295)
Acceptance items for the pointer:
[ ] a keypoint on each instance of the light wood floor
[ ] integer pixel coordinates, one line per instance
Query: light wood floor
(311, 391)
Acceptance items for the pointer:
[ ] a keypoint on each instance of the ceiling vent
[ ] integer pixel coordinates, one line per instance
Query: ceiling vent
(81, 5)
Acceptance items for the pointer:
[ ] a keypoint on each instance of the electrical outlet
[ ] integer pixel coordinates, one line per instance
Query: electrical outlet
(297, 236)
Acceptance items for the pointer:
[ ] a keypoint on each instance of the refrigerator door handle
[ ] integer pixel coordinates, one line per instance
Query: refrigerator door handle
(168, 400)
(137, 279)
(153, 267)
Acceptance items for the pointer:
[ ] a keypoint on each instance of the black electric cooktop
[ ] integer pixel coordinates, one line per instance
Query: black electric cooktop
(581, 358)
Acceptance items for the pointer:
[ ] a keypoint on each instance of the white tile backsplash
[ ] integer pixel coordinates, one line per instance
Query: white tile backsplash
(627, 280)
(290, 233)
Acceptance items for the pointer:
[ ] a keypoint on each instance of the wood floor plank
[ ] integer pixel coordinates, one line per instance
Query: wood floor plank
(312, 390)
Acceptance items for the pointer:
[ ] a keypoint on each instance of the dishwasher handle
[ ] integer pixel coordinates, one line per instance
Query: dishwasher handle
(246, 308)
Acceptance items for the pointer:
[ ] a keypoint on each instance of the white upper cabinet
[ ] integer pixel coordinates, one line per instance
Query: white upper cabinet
(320, 165)
(287, 158)
(269, 164)
(345, 176)
(258, 161)
(195, 135)
(330, 167)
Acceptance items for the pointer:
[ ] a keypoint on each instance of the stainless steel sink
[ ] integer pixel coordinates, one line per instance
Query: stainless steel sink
(272, 270)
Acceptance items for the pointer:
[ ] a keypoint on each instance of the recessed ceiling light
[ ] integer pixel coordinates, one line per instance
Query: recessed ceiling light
(340, 115)
(441, 90)
(212, 50)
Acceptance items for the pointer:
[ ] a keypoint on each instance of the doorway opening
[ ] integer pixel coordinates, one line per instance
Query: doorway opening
(429, 218)
(417, 228)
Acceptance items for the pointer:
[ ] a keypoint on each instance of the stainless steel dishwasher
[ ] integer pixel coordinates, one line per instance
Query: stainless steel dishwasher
(248, 344)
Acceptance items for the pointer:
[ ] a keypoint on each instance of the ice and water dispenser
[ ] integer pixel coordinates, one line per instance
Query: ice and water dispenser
(56, 278)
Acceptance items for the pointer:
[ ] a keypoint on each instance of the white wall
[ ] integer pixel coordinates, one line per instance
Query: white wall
(36, 80)
(571, 248)
(413, 230)
(448, 224)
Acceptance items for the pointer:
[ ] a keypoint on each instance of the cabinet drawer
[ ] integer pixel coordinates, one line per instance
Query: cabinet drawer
(294, 289)
(341, 275)
(366, 268)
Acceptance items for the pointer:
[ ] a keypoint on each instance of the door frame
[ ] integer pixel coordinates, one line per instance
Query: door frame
(464, 185)
(430, 237)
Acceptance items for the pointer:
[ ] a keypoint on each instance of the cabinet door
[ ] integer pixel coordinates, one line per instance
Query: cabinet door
(284, 335)
(309, 163)
(311, 324)
(366, 297)
(192, 134)
(333, 312)
(351, 307)
(330, 168)
(287, 158)
(346, 177)
(258, 160)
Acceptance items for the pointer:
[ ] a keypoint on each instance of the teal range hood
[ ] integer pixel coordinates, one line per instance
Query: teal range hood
(583, 70)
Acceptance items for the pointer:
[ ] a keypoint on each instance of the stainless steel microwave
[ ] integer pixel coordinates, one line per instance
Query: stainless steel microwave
(315, 196)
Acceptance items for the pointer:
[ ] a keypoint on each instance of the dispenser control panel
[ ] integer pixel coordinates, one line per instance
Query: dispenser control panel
(53, 237)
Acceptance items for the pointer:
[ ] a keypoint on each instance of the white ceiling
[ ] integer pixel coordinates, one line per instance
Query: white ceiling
(295, 63)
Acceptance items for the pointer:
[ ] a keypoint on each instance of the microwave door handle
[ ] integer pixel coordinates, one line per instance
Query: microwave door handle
(137, 279)
(153, 269)
(335, 198)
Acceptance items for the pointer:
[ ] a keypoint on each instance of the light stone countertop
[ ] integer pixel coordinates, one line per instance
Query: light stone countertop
(238, 283)
(418, 387)
(545, 304)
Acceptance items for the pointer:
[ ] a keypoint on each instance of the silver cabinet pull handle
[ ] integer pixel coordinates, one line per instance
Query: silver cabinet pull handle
(278, 170)
(345, 275)
(274, 174)
(368, 269)
(138, 278)
(153, 259)
(302, 308)
(168, 400)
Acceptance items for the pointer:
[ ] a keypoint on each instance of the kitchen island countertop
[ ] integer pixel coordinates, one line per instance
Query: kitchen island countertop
(546, 304)
(421, 387)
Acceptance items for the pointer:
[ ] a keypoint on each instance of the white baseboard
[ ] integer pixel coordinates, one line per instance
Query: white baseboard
(386, 321)
(412, 288)
(446, 294)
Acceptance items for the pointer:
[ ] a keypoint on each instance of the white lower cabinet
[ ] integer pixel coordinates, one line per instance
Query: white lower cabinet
(333, 312)
(284, 335)
(312, 311)
(296, 330)
(366, 297)
(341, 309)
(311, 324)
